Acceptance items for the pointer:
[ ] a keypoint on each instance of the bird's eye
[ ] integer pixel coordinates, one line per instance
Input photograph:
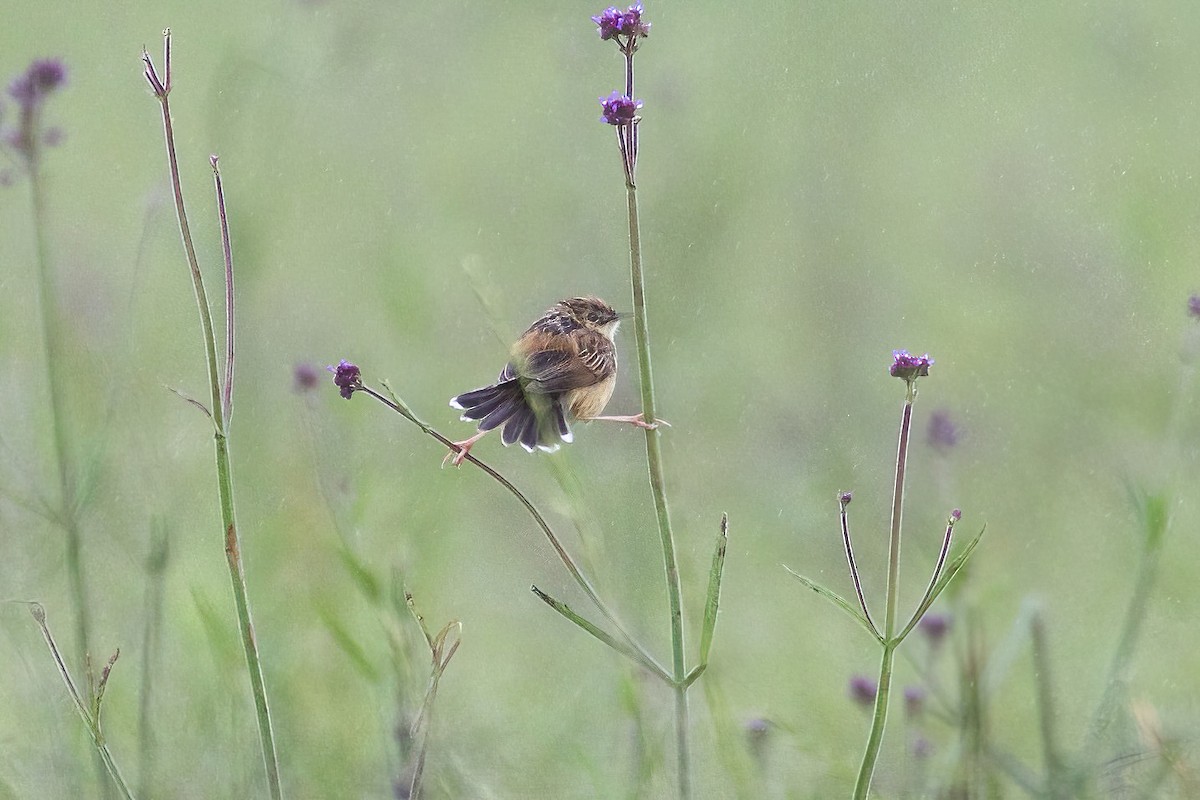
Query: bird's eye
(593, 316)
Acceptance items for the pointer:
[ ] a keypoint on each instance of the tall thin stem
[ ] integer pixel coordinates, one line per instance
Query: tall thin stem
(657, 484)
(52, 357)
(233, 550)
(879, 719)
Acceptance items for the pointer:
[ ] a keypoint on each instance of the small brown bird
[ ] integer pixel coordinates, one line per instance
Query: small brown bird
(563, 368)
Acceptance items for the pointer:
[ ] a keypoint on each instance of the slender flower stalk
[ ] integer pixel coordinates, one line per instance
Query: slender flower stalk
(627, 29)
(219, 409)
(909, 368)
(24, 144)
(348, 378)
(89, 710)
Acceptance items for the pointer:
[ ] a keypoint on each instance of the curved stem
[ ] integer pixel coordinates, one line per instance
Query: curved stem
(559, 549)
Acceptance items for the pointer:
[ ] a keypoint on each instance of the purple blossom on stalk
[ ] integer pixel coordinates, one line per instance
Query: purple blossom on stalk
(613, 23)
(934, 627)
(942, 433)
(914, 700)
(619, 109)
(1194, 306)
(305, 377)
(42, 77)
(910, 367)
(347, 377)
(863, 690)
(30, 89)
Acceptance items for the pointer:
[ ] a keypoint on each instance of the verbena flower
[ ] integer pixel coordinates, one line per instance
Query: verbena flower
(910, 367)
(863, 690)
(305, 377)
(619, 109)
(42, 77)
(934, 626)
(914, 700)
(1194, 306)
(347, 377)
(942, 433)
(30, 89)
(612, 23)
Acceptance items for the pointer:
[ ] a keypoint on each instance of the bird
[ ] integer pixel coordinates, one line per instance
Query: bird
(563, 368)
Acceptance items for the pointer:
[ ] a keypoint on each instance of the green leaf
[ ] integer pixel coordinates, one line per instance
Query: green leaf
(713, 599)
(958, 563)
(566, 611)
(349, 646)
(368, 584)
(838, 601)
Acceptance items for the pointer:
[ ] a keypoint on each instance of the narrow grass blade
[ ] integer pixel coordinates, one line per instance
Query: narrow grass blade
(713, 598)
(936, 590)
(347, 644)
(620, 647)
(838, 601)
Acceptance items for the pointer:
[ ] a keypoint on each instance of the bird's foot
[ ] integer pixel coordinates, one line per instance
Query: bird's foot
(461, 450)
(637, 420)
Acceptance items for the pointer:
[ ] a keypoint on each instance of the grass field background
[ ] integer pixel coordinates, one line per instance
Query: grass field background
(1011, 188)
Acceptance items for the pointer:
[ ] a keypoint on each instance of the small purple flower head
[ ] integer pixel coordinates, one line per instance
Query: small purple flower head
(756, 729)
(910, 367)
(955, 515)
(934, 627)
(862, 690)
(608, 23)
(305, 377)
(619, 109)
(844, 498)
(922, 748)
(942, 433)
(613, 22)
(914, 700)
(41, 78)
(347, 377)
(1194, 306)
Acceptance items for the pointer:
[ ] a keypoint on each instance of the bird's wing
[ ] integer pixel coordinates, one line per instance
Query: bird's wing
(584, 360)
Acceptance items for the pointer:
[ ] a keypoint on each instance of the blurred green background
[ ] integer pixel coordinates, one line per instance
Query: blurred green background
(1010, 187)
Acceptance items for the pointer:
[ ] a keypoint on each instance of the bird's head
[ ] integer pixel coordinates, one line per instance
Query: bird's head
(593, 314)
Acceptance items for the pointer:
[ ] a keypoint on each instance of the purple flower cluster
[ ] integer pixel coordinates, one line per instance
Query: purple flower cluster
(347, 377)
(30, 89)
(862, 690)
(37, 82)
(910, 367)
(619, 109)
(614, 23)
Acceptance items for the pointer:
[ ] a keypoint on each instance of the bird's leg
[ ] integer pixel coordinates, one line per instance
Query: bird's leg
(637, 420)
(459, 453)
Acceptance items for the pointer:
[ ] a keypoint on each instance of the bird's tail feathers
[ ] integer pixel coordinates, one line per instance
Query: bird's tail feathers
(506, 404)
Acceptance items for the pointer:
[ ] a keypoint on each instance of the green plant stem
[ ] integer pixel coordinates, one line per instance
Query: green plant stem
(92, 722)
(68, 512)
(1131, 629)
(1055, 784)
(403, 410)
(657, 486)
(878, 722)
(890, 641)
(52, 356)
(224, 466)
